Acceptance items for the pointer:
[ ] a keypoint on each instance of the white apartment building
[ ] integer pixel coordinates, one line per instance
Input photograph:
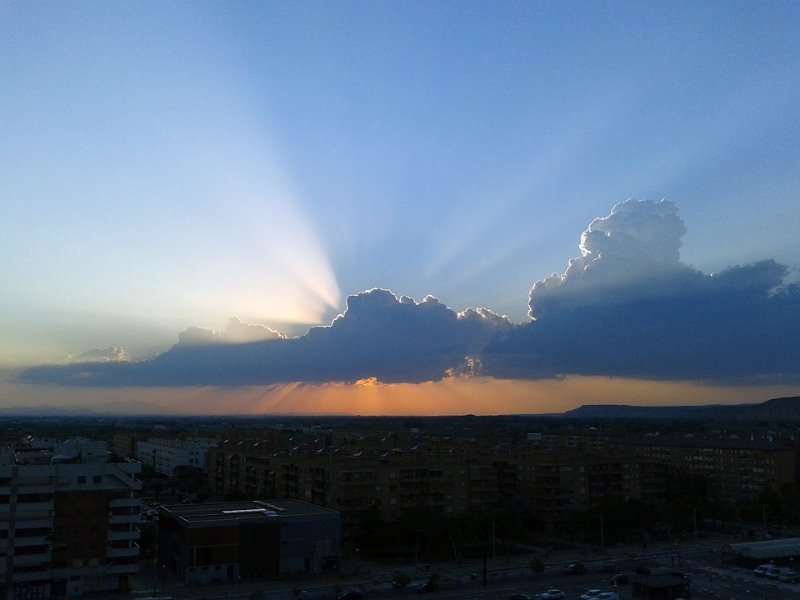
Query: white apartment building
(166, 455)
(67, 527)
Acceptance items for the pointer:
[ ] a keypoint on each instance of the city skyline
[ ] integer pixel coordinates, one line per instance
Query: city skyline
(358, 208)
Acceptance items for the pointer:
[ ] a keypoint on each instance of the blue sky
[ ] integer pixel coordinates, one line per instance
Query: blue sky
(170, 165)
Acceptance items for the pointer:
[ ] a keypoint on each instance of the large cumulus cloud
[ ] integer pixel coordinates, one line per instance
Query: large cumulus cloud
(378, 335)
(627, 306)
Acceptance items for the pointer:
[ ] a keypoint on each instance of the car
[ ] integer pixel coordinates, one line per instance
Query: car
(643, 570)
(618, 579)
(608, 596)
(762, 570)
(773, 572)
(591, 594)
(519, 597)
(574, 569)
(350, 595)
(681, 574)
(426, 588)
(552, 594)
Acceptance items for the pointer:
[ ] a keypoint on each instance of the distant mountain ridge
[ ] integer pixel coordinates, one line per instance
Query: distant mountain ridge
(783, 409)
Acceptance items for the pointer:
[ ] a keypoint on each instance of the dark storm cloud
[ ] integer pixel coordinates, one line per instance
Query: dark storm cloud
(378, 335)
(628, 307)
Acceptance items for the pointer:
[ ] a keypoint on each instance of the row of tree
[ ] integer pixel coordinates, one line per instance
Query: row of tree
(690, 506)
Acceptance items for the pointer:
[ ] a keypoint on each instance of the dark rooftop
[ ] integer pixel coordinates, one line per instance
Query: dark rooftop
(244, 510)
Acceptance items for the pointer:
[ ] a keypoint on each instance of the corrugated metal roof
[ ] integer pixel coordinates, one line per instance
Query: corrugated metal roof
(766, 549)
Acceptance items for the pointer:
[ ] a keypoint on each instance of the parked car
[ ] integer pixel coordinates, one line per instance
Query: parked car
(762, 570)
(619, 579)
(552, 594)
(591, 594)
(789, 576)
(425, 588)
(776, 572)
(350, 595)
(519, 597)
(574, 569)
(608, 596)
(609, 567)
(681, 574)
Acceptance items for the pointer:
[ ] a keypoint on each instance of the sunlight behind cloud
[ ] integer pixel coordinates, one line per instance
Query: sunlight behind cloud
(258, 253)
(481, 241)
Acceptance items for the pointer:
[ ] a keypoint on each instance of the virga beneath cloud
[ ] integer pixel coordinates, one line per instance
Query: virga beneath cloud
(627, 306)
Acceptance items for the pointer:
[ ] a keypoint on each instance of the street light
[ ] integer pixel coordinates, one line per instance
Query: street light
(416, 552)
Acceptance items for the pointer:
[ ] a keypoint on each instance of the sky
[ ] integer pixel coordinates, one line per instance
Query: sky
(398, 207)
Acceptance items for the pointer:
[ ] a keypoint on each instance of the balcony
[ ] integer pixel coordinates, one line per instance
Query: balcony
(122, 552)
(120, 519)
(124, 502)
(32, 559)
(115, 536)
(32, 521)
(122, 569)
(33, 507)
(37, 540)
(39, 488)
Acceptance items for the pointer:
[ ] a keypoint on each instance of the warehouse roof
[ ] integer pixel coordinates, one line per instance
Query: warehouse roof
(765, 550)
(238, 511)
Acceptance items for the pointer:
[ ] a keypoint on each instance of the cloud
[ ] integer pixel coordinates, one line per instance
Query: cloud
(633, 252)
(378, 336)
(236, 332)
(102, 354)
(627, 306)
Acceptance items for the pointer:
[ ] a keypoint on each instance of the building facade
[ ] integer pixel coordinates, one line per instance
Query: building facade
(167, 455)
(226, 542)
(67, 527)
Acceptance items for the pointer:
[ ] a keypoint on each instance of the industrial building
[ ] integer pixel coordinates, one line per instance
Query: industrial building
(227, 542)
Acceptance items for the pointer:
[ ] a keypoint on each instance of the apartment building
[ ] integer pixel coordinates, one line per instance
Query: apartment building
(557, 473)
(368, 473)
(560, 481)
(226, 542)
(68, 521)
(166, 455)
(737, 468)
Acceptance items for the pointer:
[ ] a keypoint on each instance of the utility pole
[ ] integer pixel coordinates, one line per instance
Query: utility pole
(416, 553)
(602, 534)
(494, 543)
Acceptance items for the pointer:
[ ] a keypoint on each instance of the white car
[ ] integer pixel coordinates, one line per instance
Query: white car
(591, 594)
(552, 594)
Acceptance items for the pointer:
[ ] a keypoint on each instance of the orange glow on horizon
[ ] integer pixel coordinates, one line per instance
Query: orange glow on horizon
(369, 397)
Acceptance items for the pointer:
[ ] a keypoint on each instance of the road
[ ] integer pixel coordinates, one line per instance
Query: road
(709, 581)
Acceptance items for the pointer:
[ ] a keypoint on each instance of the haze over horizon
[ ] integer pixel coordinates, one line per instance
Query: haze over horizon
(221, 176)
